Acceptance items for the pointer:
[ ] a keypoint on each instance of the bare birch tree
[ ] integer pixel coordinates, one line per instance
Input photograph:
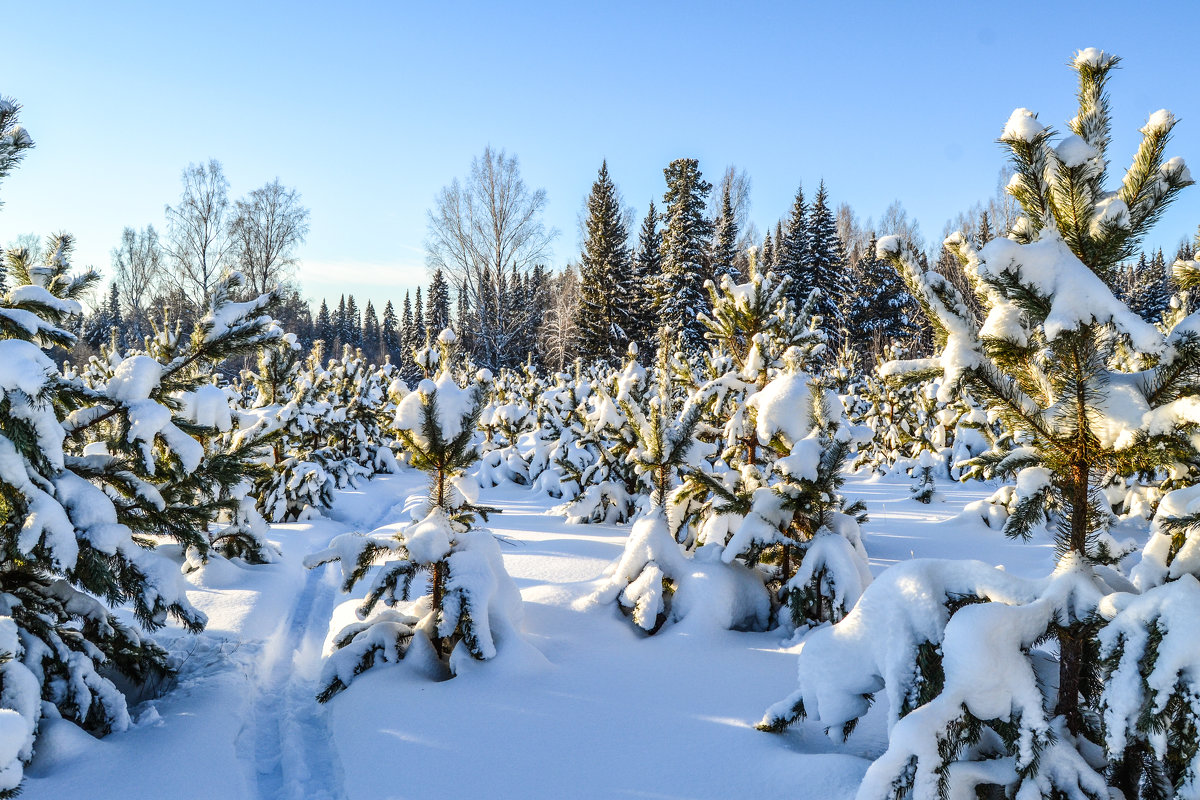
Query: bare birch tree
(267, 227)
(197, 242)
(485, 234)
(138, 268)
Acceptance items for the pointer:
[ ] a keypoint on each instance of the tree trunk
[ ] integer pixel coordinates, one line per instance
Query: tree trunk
(1070, 646)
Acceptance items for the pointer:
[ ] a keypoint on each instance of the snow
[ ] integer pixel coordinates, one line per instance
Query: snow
(1160, 122)
(1074, 151)
(1093, 57)
(584, 680)
(1022, 126)
(134, 379)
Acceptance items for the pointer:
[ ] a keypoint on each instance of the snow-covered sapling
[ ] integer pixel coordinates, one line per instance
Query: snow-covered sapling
(461, 600)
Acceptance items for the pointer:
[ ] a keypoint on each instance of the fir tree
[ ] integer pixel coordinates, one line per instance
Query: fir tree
(984, 234)
(684, 252)
(339, 324)
(605, 280)
(768, 253)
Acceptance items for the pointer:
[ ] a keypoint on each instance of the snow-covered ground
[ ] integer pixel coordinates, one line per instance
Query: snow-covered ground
(593, 710)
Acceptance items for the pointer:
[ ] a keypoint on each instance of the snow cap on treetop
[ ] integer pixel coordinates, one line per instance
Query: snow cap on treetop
(1093, 57)
(1022, 126)
(887, 245)
(1160, 121)
(1074, 151)
(447, 336)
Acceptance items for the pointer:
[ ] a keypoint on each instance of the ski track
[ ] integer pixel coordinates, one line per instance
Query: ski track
(293, 753)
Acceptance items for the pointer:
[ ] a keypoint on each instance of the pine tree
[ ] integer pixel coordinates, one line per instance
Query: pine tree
(437, 310)
(684, 252)
(882, 310)
(472, 602)
(647, 271)
(725, 239)
(1053, 349)
(605, 279)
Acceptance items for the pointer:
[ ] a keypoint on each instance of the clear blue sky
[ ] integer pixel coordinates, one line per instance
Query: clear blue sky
(368, 109)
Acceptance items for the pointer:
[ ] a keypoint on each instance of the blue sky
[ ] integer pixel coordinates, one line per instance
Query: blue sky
(369, 109)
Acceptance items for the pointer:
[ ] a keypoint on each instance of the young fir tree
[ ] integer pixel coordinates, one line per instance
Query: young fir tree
(724, 254)
(882, 310)
(605, 279)
(684, 252)
(647, 271)
(1049, 359)
(463, 603)
(437, 309)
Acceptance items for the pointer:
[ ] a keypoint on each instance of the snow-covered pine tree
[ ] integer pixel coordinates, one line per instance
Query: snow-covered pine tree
(1044, 359)
(882, 310)
(472, 605)
(158, 435)
(725, 237)
(647, 271)
(420, 327)
(924, 488)
(606, 287)
(680, 293)
(652, 564)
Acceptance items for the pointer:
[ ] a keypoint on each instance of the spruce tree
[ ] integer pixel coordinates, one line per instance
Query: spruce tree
(437, 309)
(768, 253)
(352, 324)
(647, 271)
(792, 252)
(372, 340)
(823, 266)
(725, 239)
(420, 329)
(389, 333)
(684, 253)
(324, 326)
(339, 325)
(605, 279)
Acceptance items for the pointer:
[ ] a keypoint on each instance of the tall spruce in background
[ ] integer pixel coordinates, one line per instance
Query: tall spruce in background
(684, 252)
(881, 310)
(647, 269)
(792, 250)
(324, 328)
(371, 339)
(419, 330)
(824, 266)
(437, 308)
(351, 324)
(725, 239)
(605, 281)
(389, 332)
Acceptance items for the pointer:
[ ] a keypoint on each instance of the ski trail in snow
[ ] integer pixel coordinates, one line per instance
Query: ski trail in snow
(293, 753)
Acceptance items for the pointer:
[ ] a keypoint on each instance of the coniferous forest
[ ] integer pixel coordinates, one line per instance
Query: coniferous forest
(819, 509)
